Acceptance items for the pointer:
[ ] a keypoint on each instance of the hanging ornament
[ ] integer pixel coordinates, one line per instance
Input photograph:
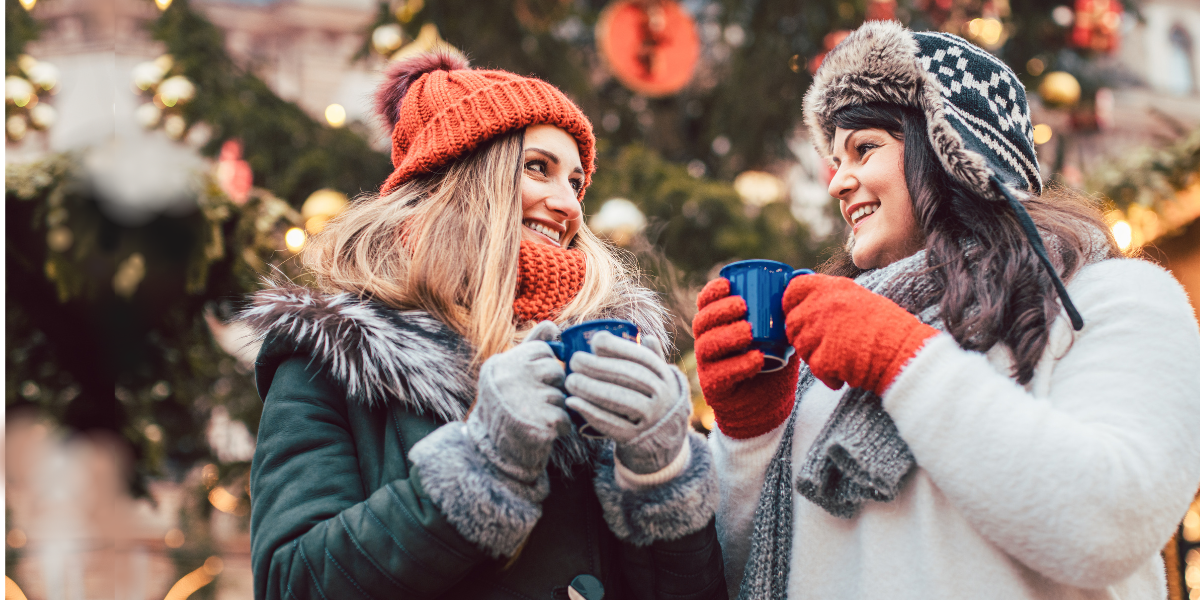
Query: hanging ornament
(386, 39)
(427, 39)
(1097, 25)
(881, 10)
(650, 45)
(321, 206)
(405, 10)
(831, 40)
(233, 174)
(1060, 89)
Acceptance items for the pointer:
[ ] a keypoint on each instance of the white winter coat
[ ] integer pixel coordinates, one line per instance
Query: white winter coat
(1066, 488)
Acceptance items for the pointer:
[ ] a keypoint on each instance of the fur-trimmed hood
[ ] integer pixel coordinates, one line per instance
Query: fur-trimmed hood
(974, 105)
(379, 354)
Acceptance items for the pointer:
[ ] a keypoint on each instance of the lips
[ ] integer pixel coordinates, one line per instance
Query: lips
(859, 212)
(553, 235)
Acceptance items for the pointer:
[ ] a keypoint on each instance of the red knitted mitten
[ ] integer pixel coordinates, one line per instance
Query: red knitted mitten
(847, 334)
(746, 403)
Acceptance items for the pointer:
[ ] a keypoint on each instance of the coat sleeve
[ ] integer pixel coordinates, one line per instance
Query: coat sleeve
(316, 532)
(667, 531)
(1086, 478)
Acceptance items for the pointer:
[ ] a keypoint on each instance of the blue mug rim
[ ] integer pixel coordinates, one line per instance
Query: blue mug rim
(756, 262)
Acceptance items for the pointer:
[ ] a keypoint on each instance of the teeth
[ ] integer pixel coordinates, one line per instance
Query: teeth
(862, 212)
(542, 229)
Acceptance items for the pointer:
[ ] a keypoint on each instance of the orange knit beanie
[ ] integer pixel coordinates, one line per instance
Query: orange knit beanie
(440, 109)
(547, 279)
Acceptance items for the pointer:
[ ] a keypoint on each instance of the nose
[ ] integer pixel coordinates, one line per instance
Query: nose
(842, 183)
(564, 202)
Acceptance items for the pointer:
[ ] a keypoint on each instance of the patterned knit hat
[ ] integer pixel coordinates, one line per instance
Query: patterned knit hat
(974, 106)
(440, 109)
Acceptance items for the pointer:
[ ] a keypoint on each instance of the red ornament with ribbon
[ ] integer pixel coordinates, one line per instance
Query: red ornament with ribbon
(651, 45)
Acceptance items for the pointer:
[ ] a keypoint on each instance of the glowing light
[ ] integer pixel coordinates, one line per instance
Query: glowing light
(153, 433)
(225, 502)
(1060, 88)
(295, 238)
(321, 206)
(11, 590)
(148, 74)
(335, 114)
(15, 127)
(16, 538)
(188, 584)
(175, 126)
(758, 188)
(43, 75)
(1191, 523)
(162, 4)
(387, 38)
(1042, 133)
(1035, 66)
(148, 115)
(18, 90)
(795, 63)
(59, 239)
(1124, 234)
(619, 220)
(129, 274)
(43, 116)
(28, 4)
(174, 538)
(176, 90)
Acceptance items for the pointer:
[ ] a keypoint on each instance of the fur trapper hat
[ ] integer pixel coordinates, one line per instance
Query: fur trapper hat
(974, 105)
(440, 109)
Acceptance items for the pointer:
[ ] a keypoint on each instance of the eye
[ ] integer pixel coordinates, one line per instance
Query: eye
(865, 147)
(577, 185)
(537, 166)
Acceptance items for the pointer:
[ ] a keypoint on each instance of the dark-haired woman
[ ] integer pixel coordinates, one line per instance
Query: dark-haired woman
(414, 440)
(986, 400)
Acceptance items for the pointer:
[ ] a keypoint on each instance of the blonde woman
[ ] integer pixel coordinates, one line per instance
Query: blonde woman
(414, 440)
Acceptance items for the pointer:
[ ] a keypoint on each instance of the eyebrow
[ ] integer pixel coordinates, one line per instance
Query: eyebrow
(553, 157)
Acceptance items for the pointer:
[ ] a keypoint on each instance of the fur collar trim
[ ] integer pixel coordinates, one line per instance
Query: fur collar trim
(375, 352)
(379, 354)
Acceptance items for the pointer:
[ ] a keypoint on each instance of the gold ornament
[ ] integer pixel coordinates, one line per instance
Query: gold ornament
(1060, 89)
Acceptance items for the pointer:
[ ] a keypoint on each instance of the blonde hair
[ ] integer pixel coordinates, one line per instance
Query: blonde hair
(447, 244)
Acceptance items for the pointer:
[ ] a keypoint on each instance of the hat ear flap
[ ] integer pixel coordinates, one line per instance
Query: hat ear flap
(400, 75)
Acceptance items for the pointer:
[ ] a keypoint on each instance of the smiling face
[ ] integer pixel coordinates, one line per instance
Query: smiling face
(551, 180)
(870, 185)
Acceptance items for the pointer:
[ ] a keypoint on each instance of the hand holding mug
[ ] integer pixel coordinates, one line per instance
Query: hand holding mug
(519, 409)
(630, 393)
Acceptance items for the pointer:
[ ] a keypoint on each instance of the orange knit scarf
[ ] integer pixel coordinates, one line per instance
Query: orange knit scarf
(547, 279)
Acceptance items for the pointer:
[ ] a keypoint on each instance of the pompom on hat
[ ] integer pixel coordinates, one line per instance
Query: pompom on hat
(440, 109)
(974, 105)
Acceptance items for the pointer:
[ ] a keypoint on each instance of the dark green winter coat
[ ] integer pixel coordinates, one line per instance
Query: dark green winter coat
(340, 509)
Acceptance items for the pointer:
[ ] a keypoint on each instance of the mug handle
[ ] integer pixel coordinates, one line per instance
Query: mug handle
(558, 348)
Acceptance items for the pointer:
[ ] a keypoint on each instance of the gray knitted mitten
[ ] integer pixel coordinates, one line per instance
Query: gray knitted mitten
(634, 396)
(518, 412)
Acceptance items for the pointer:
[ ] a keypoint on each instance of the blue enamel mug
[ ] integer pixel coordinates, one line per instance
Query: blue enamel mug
(579, 339)
(761, 284)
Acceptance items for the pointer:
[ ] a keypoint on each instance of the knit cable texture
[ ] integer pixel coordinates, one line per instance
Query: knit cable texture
(447, 114)
(547, 279)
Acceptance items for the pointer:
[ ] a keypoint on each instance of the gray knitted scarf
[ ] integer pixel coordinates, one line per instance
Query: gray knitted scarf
(858, 456)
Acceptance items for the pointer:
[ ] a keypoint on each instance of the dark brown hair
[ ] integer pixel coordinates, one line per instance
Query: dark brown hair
(988, 283)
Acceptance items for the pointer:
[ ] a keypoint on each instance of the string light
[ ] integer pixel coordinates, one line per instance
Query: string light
(1124, 234)
(1042, 133)
(190, 583)
(295, 238)
(174, 538)
(335, 114)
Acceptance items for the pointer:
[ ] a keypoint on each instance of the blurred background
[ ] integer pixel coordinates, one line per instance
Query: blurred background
(163, 156)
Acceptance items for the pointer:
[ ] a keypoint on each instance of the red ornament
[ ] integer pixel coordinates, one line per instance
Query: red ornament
(233, 173)
(881, 10)
(650, 45)
(1097, 25)
(831, 40)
